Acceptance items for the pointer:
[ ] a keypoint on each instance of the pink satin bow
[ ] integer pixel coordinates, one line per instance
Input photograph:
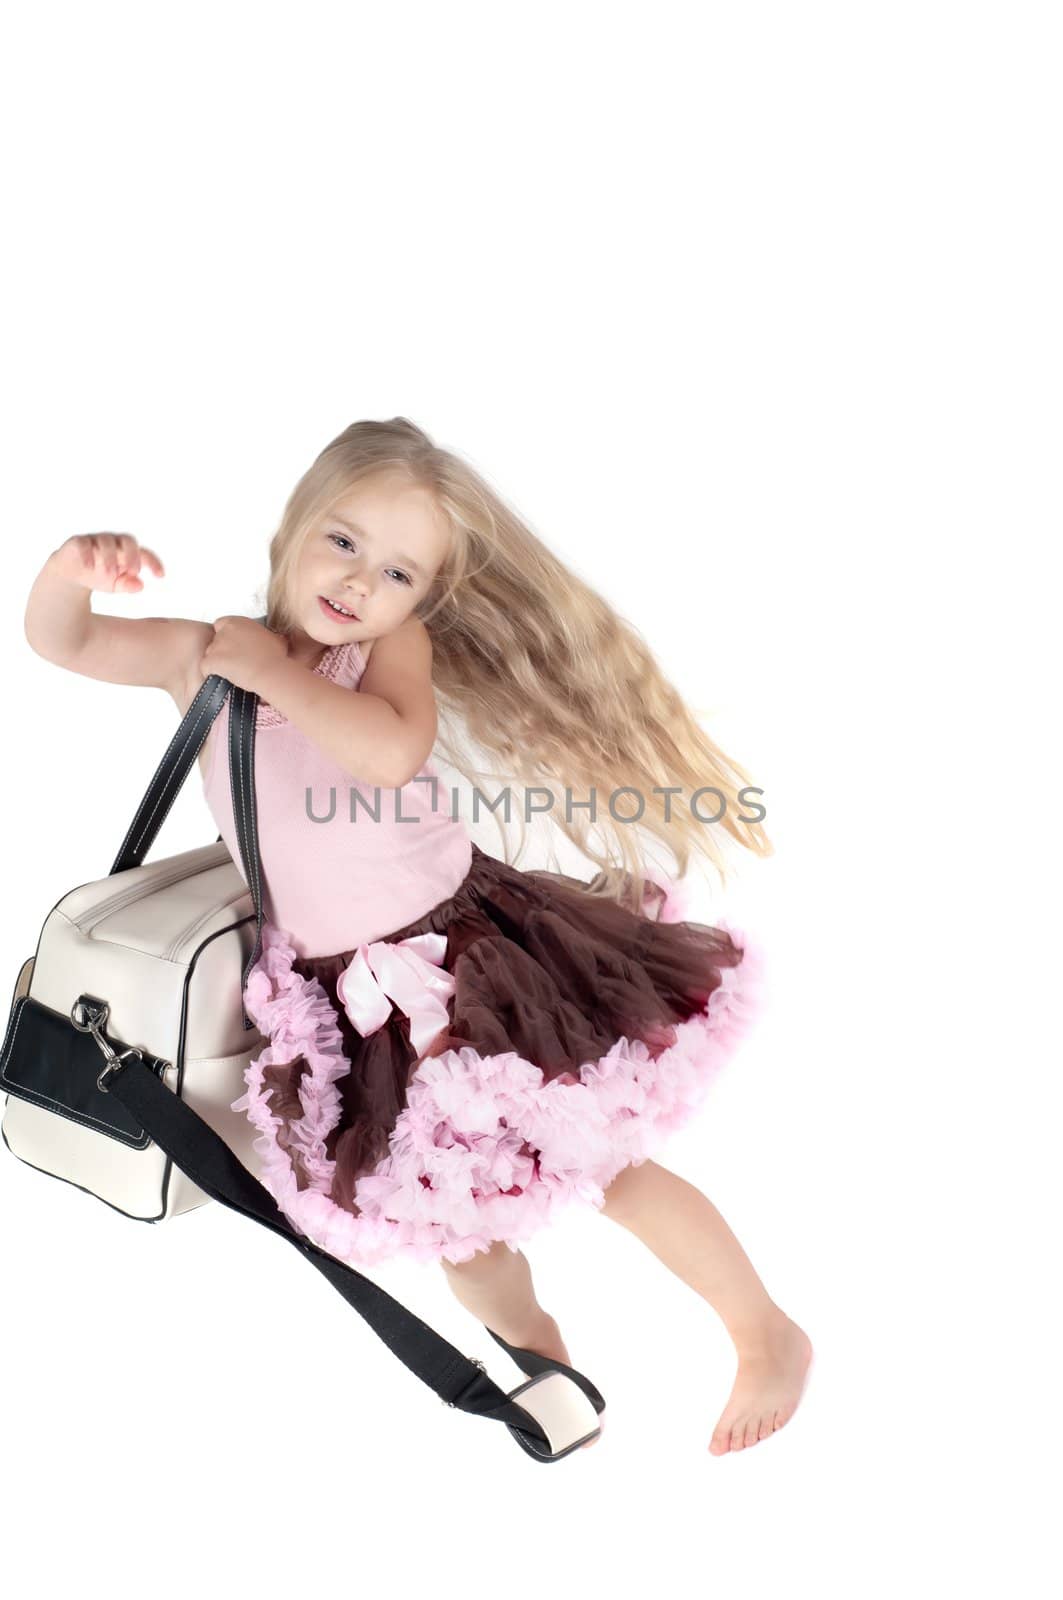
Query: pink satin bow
(409, 973)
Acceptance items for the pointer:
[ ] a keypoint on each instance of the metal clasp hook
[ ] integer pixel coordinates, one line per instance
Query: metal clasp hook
(88, 1014)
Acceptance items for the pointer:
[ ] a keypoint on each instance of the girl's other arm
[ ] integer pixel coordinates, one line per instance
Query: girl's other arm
(385, 732)
(60, 624)
(399, 672)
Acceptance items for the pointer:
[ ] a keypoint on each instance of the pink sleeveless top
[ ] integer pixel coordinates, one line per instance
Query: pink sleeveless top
(335, 884)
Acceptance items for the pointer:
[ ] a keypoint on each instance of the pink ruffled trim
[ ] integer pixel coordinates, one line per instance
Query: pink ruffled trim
(295, 1015)
(671, 896)
(458, 1175)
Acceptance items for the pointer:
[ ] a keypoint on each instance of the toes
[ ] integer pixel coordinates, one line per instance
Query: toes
(749, 1430)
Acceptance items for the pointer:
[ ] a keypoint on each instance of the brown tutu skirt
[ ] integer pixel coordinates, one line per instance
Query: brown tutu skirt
(509, 1052)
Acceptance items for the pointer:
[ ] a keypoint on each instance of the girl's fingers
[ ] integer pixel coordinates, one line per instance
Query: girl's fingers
(109, 548)
(127, 559)
(153, 561)
(114, 561)
(132, 558)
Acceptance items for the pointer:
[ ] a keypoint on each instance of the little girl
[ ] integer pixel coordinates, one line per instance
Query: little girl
(458, 1049)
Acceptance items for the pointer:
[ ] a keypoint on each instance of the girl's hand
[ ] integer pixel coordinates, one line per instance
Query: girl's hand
(243, 651)
(107, 561)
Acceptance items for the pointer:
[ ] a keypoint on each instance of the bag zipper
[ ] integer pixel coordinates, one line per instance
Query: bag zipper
(127, 896)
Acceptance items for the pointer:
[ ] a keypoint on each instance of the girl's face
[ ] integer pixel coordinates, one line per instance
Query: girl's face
(375, 553)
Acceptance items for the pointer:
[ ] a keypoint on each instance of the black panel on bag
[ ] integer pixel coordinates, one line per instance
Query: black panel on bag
(48, 1061)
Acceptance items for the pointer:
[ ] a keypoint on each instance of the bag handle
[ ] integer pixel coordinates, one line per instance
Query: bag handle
(171, 772)
(173, 769)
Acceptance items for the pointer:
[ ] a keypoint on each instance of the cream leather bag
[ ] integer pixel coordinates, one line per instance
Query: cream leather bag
(127, 1042)
(165, 943)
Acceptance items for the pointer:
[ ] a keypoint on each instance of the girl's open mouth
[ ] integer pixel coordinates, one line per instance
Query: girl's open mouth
(331, 611)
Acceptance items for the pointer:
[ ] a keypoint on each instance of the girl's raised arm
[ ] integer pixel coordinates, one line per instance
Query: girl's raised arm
(60, 624)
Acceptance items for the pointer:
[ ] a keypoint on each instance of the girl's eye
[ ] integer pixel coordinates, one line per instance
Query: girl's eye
(343, 539)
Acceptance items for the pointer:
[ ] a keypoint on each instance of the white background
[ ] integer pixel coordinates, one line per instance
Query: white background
(753, 313)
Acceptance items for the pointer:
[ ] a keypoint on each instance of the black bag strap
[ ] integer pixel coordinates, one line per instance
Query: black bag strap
(171, 772)
(458, 1380)
(242, 782)
(204, 1156)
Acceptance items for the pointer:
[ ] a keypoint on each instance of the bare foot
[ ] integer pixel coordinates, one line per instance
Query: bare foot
(545, 1339)
(771, 1378)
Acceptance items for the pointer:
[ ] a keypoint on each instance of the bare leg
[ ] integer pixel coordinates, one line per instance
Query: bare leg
(684, 1230)
(496, 1287)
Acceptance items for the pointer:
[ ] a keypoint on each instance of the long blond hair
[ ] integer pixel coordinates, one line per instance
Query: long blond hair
(533, 668)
